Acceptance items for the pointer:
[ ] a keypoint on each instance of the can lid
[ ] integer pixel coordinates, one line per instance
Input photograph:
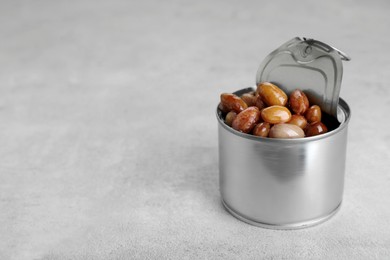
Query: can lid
(310, 65)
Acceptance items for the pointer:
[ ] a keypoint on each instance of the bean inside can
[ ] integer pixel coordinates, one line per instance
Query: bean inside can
(270, 112)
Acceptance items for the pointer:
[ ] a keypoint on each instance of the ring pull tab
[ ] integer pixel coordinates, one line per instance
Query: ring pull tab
(327, 48)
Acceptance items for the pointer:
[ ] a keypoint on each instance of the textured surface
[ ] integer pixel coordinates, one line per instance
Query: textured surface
(109, 137)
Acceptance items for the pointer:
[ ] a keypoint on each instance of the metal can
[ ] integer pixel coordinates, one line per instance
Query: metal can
(283, 183)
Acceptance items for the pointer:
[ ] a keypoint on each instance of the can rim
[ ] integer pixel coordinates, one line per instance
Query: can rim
(342, 105)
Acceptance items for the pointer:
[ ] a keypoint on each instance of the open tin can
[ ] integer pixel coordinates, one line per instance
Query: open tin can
(289, 183)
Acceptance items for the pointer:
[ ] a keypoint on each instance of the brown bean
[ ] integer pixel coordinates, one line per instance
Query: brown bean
(271, 94)
(246, 120)
(316, 129)
(286, 131)
(230, 117)
(249, 99)
(223, 108)
(262, 129)
(233, 102)
(313, 114)
(259, 103)
(276, 114)
(298, 120)
(298, 102)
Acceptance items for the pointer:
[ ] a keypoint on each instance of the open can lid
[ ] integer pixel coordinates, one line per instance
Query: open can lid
(310, 65)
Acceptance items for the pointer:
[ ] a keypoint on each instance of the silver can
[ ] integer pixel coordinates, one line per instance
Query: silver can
(284, 183)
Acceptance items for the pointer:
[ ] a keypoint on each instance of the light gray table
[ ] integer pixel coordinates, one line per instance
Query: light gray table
(109, 139)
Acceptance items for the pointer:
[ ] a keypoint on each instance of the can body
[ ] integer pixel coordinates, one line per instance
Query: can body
(283, 183)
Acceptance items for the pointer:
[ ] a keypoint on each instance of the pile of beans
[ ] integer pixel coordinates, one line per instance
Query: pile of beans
(269, 112)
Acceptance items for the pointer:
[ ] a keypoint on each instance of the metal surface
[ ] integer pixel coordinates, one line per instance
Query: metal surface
(283, 183)
(310, 65)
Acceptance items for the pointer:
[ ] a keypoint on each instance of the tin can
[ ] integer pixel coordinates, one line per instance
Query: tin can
(283, 183)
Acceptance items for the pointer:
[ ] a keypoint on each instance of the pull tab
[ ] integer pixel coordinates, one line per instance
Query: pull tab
(327, 48)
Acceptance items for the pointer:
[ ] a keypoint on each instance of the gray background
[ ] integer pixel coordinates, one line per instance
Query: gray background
(108, 136)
